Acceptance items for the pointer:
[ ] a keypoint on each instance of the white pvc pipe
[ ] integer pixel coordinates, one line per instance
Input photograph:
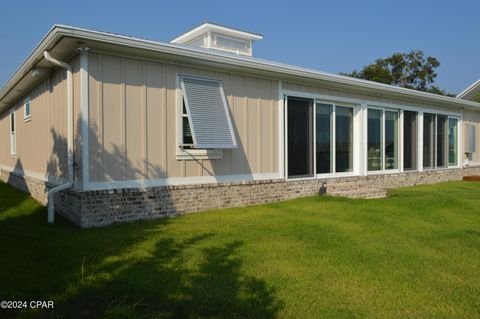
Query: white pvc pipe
(69, 183)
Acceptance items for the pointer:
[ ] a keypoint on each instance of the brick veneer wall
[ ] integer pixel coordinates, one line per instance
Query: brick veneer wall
(104, 207)
(38, 189)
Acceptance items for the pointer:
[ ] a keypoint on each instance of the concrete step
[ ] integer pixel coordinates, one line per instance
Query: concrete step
(367, 193)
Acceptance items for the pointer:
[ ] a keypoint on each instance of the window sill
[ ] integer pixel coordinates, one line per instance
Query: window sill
(27, 119)
(194, 154)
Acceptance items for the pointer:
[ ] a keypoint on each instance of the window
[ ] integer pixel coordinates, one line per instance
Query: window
(452, 142)
(187, 138)
(442, 141)
(428, 140)
(334, 135)
(410, 140)
(231, 43)
(205, 119)
(324, 137)
(343, 139)
(375, 140)
(391, 140)
(26, 109)
(382, 152)
(13, 146)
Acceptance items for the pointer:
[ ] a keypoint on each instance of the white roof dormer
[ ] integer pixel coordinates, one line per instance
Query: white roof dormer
(213, 36)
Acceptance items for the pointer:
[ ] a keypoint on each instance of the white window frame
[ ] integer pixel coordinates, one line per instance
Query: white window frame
(447, 166)
(459, 158)
(333, 124)
(27, 117)
(383, 170)
(13, 131)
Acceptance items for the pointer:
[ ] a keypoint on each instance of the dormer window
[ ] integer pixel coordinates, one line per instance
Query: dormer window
(217, 37)
(232, 44)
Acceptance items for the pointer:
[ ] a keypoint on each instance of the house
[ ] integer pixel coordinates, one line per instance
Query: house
(109, 128)
(471, 93)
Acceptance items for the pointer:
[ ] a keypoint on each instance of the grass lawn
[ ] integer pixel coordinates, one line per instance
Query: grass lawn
(413, 254)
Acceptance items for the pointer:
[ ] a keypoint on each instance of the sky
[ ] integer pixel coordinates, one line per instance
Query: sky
(331, 36)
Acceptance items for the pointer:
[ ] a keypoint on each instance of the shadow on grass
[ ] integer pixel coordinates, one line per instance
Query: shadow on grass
(137, 270)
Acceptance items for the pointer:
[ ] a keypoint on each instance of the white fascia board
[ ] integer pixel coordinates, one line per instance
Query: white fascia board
(204, 28)
(60, 31)
(469, 89)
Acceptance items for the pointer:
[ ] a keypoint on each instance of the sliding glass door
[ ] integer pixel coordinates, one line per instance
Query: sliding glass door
(410, 140)
(375, 140)
(452, 142)
(334, 138)
(343, 139)
(300, 137)
(428, 141)
(442, 143)
(324, 137)
(391, 140)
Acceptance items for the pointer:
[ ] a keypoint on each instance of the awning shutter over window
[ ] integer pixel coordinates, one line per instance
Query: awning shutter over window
(208, 113)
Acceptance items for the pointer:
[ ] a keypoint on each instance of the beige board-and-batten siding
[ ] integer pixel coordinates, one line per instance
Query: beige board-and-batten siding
(41, 141)
(133, 116)
(472, 118)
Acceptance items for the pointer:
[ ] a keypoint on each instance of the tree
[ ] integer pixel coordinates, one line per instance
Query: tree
(409, 70)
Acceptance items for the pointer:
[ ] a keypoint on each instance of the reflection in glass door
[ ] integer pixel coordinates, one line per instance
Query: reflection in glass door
(300, 137)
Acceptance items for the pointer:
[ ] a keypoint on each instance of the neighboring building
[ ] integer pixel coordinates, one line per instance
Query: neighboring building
(132, 128)
(471, 125)
(471, 92)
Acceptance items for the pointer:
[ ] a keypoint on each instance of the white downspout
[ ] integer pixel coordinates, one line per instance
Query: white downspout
(69, 183)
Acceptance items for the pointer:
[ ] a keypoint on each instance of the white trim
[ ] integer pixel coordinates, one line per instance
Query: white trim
(420, 141)
(209, 27)
(384, 172)
(84, 94)
(198, 154)
(285, 138)
(471, 164)
(335, 175)
(175, 181)
(39, 176)
(281, 131)
(459, 120)
(400, 148)
(373, 104)
(27, 117)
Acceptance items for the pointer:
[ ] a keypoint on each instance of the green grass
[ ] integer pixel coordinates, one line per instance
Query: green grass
(415, 254)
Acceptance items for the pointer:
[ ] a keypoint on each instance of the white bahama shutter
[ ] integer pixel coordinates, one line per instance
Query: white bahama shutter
(208, 113)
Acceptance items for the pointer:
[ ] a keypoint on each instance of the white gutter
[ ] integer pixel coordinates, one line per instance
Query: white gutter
(69, 183)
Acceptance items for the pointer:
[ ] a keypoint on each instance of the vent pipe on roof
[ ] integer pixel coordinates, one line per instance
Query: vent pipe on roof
(69, 183)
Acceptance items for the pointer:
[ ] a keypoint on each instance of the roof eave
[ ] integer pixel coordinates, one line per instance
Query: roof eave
(469, 89)
(59, 31)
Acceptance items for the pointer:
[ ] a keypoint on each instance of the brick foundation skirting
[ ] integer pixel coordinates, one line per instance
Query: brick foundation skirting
(104, 207)
(38, 189)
